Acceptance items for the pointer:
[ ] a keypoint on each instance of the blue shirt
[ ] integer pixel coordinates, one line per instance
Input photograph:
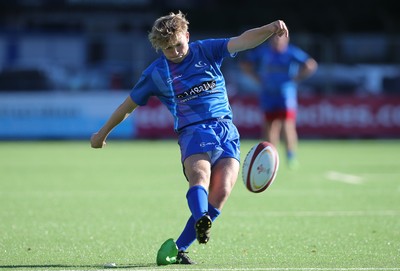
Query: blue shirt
(276, 71)
(193, 90)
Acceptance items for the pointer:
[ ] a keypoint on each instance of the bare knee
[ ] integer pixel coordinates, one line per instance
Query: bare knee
(198, 170)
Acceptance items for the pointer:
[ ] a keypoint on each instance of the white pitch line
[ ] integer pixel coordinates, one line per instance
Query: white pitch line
(343, 177)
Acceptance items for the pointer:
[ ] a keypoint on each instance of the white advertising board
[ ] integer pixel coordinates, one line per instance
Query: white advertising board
(60, 115)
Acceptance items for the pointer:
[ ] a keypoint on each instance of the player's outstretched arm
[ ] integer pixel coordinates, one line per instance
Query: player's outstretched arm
(255, 36)
(98, 139)
(306, 70)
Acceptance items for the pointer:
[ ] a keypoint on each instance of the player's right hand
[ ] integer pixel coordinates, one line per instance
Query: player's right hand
(97, 142)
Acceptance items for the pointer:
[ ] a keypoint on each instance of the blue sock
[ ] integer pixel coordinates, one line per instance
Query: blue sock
(213, 212)
(188, 235)
(197, 198)
(290, 155)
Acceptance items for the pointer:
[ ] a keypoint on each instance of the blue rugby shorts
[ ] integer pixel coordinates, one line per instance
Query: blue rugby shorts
(219, 138)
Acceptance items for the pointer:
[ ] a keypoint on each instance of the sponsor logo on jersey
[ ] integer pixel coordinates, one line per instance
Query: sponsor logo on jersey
(196, 91)
(200, 64)
(170, 80)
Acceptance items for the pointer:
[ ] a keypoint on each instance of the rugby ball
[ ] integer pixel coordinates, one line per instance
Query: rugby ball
(260, 167)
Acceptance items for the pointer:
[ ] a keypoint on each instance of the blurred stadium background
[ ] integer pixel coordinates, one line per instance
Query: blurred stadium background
(66, 64)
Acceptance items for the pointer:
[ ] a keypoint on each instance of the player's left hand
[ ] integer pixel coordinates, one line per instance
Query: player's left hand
(281, 29)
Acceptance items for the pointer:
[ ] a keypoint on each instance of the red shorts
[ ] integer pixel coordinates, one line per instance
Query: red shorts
(289, 114)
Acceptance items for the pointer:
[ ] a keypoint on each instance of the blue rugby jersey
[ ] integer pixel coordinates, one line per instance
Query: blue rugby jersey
(276, 71)
(193, 90)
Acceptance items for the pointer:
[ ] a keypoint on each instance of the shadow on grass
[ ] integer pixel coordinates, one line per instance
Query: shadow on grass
(94, 266)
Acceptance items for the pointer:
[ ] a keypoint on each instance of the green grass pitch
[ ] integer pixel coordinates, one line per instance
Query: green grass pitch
(65, 206)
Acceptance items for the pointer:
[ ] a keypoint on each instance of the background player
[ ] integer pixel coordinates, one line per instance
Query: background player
(279, 66)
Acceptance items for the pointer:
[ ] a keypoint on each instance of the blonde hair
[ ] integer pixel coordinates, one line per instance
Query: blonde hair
(166, 29)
